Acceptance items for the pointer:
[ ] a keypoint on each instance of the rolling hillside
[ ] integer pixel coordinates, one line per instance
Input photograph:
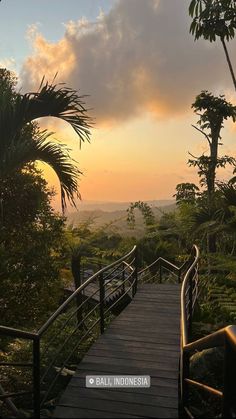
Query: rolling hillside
(112, 216)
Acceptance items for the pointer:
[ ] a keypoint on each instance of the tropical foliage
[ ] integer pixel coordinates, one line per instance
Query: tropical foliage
(30, 245)
(214, 19)
(23, 142)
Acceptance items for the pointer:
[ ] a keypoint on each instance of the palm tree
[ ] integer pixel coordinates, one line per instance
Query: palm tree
(214, 18)
(21, 140)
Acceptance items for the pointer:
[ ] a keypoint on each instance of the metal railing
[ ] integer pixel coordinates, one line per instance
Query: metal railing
(162, 269)
(225, 338)
(56, 348)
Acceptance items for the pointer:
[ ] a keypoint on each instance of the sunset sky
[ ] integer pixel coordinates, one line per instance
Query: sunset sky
(141, 69)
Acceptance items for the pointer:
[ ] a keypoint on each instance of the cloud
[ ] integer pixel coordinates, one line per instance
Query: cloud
(47, 60)
(138, 58)
(8, 63)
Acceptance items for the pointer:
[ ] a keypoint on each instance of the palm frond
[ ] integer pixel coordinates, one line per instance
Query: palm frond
(59, 102)
(20, 143)
(56, 156)
(229, 193)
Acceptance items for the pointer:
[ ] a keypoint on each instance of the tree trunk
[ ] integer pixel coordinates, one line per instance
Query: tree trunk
(229, 62)
(211, 242)
(212, 172)
(211, 185)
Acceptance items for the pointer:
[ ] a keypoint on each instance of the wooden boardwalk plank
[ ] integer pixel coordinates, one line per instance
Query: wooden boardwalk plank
(164, 388)
(136, 409)
(126, 370)
(157, 382)
(144, 330)
(169, 366)
(75, 413)
(147, 399)
(151, 339)
(138, 346)
(143, 340)
(133, 353)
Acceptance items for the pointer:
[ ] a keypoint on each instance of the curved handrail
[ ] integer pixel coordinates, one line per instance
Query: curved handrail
(161, 263)
(187, 282)
(126, 262)
(18, 333)
(158, 260)
(213, 339)
(78, 291)
(225, 337)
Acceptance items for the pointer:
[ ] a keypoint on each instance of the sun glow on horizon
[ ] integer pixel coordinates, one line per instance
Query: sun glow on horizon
(140, 78)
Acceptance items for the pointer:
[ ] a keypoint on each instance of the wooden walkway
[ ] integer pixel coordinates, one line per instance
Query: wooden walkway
(92, 292)
(143, 340)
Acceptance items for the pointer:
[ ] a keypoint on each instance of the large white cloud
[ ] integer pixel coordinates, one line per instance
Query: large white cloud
(138, 58)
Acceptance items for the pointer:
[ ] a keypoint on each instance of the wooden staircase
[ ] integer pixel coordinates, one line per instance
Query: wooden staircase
(143, 340)
(150, 336)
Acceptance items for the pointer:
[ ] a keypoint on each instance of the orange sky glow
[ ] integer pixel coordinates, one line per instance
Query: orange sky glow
(141, 70)
(141, 160)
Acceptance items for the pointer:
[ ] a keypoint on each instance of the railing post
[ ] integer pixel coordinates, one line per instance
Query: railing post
(123, 278)
(83, 279)
(135, 274)
(190, 296)
(36, 376)
(102, 299)
(160, 271)
(179, 275)
(184, 385)
(229, 393)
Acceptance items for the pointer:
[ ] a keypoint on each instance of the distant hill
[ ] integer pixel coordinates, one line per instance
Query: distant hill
(117, 206)
(115, 220)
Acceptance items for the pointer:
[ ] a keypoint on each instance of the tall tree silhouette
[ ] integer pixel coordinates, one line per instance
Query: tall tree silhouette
(212, 112)
(214, 19)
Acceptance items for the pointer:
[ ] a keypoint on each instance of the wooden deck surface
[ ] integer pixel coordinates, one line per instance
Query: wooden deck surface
(143, 340)
(92, 291)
